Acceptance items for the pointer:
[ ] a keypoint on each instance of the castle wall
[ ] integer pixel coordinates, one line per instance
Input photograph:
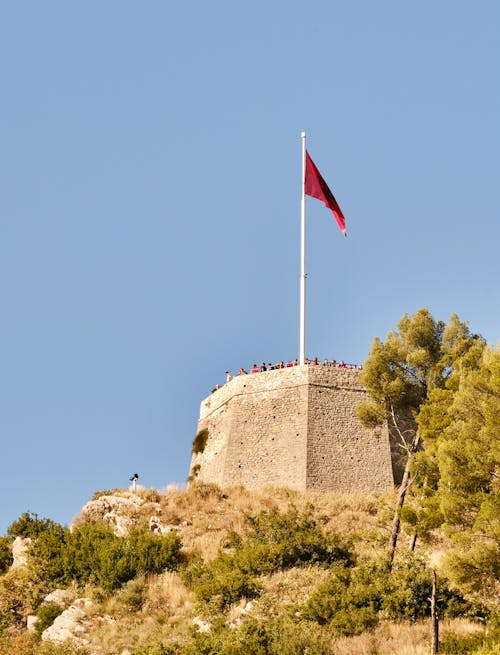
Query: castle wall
(257, 427)
(294, 427)
(342, 455)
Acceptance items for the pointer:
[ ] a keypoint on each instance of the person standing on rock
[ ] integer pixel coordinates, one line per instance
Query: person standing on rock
(133, 480)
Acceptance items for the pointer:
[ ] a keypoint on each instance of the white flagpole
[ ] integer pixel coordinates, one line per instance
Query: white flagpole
(303, 274)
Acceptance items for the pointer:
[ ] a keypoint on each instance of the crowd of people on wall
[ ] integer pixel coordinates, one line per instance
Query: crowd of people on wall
(261, 368)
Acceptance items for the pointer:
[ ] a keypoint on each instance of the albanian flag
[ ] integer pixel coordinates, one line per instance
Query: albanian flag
(316, 187)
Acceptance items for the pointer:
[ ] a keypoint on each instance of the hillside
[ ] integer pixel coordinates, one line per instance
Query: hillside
(205, 571)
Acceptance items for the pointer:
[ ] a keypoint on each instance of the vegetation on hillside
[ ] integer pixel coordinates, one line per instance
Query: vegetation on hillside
(448, 381)
(283, 573)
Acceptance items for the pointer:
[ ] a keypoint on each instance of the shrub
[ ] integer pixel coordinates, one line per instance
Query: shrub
(349, 601)
(66, 648)
(200, 441)
(157, 649)
(46, 614)
(280, 540)
(92, 553)
(47, 554)
(153, 553)
(206, 489)
(221, 583)
(133, 593)
(18, 598)
(29, 525)
(107, 492)
(150, 495)
(6, 558)
(273, 541)
(276, 636)
(464, 644)
(194, 472)
(409, 591)
(354, 599)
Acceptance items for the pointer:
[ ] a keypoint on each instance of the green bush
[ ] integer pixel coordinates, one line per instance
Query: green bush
(92, 553)
(19, 596)
(132, 594)
(272, 542)
(47, 555)
(29, 525)
(5, 554)
(354, 599)
(157, 649)
(275, 636)
(349, 601)
(200, 441)
(47, 613)
(463, 644)
(281, 540)
(66, 648)
(221, 583)
(409, 590)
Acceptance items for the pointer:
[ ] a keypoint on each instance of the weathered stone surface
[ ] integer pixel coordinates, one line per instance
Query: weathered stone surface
(239, 612)
(203, 626)
(71, 624)
(62, 597)
(31, 620)
(20, 547)
(119, 512)
(157, 527)
(294, 427)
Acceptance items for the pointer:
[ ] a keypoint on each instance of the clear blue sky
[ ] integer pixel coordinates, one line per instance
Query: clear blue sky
(150, 210)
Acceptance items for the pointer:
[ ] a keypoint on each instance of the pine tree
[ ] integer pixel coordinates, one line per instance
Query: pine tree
(417, 367)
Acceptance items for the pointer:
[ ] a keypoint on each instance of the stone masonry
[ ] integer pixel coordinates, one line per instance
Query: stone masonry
(295, 427)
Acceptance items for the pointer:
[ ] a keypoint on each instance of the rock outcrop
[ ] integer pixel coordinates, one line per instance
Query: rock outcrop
(122, 513)
(71, 624)
(20, 547)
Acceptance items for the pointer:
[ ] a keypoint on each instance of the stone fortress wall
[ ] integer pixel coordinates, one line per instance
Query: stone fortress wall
(295, 427)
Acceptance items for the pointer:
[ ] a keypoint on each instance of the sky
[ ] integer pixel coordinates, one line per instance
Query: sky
(150, 164)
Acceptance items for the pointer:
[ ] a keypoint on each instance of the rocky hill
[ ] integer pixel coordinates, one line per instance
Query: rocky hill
(206, 571)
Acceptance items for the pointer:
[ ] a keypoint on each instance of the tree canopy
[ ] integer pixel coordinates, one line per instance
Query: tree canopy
(447, 380)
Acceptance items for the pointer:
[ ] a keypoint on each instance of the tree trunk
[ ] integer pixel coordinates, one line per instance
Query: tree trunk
(413, 542)
(400, 500)
(434, 617)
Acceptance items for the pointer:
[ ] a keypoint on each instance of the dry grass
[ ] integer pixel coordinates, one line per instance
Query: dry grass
(400, 638)
(166, 616)
(159, 609)
(204, 516)
(167, 592)
(285, 588)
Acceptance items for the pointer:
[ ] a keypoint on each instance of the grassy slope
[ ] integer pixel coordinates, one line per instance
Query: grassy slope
(160, 609)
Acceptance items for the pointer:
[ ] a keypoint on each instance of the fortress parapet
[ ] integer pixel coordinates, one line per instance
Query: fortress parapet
(294, 427)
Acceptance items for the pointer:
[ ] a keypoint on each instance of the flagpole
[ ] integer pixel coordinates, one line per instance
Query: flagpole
(303, 274)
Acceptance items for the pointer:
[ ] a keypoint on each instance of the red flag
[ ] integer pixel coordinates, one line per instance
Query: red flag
(316, 187)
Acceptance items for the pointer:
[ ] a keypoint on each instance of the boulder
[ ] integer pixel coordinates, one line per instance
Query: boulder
(71, 624)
